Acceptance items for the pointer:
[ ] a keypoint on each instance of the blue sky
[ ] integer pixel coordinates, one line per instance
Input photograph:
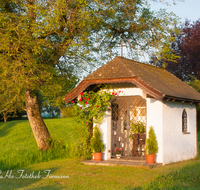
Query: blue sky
(190, 9)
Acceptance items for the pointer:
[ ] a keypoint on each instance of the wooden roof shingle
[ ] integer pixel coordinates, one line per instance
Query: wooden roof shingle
(155, 81)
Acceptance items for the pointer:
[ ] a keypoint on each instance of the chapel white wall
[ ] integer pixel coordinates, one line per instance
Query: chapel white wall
(155, 119)
(105, 128)
(134, 91)
(176, 145)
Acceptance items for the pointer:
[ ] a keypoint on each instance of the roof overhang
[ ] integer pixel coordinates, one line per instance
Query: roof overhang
(84, 84)
(182, 100)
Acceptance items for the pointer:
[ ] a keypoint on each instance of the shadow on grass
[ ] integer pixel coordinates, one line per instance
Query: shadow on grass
(187, 177)
(23, 178)
(4, 166)
(24, 158)
(51, 187)
(5, 127)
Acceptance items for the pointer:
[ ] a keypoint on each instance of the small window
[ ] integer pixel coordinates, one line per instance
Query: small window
(184, 121)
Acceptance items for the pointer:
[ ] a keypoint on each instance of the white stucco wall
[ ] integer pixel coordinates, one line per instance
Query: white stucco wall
(176, 145)
(155, 119)
(105, 128)
(135, 91)
(131, 92)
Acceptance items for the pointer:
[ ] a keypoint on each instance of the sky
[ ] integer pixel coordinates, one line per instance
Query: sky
(185, 10)
(189, 9)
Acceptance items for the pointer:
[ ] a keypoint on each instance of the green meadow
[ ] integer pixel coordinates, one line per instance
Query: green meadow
(23, 166)
(18, 146)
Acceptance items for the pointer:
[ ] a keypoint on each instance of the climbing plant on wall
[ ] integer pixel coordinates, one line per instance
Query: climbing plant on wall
(90, 108)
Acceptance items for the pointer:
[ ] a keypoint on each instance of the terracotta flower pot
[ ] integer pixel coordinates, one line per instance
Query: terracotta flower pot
(97, 156)
(150, 159)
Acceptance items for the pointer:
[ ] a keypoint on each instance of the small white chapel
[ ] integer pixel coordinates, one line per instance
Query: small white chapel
(151, 96)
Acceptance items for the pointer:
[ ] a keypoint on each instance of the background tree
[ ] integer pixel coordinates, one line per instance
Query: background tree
(10, 106)
(195, 83)
(187, 49)
(41, 38)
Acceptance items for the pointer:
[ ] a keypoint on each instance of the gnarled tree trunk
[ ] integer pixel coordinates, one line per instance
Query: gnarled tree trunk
(38, 126)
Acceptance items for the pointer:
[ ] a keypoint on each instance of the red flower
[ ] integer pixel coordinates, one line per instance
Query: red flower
(86, 122)
(81, 93)
(119, 91)
(83, 98)
(97, 106)
(80, 99)
(85, 102)
(118, 150)
(88, 99)
(81, 108)
(113, 93)
(72, 101)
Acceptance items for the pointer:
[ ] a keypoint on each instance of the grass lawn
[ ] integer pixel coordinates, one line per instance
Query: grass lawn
(80, 176)
(69, 173)
(18, 147)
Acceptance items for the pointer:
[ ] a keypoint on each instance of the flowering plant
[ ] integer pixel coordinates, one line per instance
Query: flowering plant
(91, 106)
(118, 150)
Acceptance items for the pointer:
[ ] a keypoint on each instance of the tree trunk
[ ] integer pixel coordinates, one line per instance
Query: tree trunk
(4, 117)
(38, 126)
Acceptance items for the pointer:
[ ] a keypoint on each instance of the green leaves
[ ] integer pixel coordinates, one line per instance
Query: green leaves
(137, 128)
(96, 142)
(90, 108)
(41, 40)
(151, 147)
(92, 105)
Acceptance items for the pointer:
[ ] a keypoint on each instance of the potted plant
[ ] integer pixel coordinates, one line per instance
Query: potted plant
(137, 128)
(138, 131)
(97, 144)
(151, 146)
(118, 152)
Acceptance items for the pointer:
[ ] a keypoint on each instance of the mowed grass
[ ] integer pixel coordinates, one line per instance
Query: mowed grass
(79, 176)
(18, 145)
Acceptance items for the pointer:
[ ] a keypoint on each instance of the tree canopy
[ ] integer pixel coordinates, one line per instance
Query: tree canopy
(187, 49)
(45, 42)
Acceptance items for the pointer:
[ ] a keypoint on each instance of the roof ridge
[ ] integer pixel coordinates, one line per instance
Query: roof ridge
(123, 72)
(138, 62)
(124, 63)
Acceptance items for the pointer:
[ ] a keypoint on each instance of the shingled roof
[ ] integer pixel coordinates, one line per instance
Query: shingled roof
(156, 82)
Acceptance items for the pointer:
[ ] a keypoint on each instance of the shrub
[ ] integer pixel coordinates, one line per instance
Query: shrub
(68, 112)
(96, 142)
(90, 107)
(151, 147)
